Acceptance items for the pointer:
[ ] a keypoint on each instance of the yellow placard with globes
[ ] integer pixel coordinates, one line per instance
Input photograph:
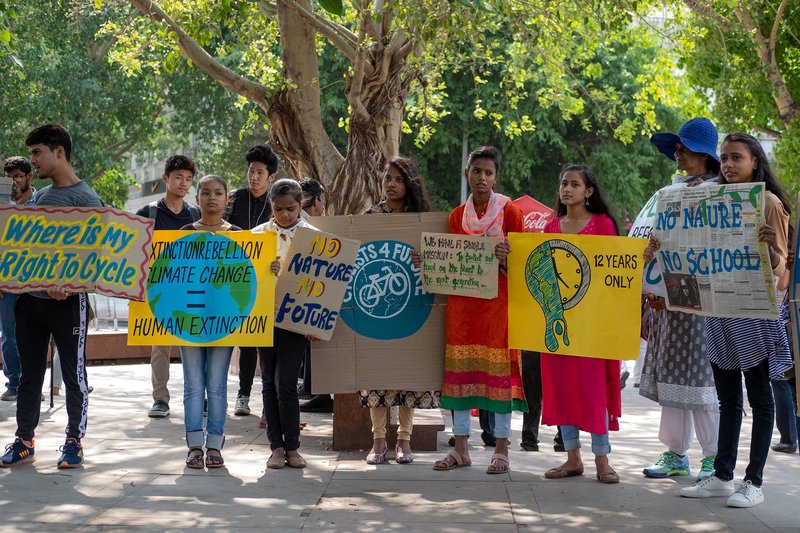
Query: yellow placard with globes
(575, 294)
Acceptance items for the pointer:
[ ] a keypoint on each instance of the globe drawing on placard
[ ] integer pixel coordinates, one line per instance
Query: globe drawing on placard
(385, 298)
(557, 274)
(189, 305)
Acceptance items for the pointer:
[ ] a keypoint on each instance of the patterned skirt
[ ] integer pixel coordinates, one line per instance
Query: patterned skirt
(676, 371)
(391, 398)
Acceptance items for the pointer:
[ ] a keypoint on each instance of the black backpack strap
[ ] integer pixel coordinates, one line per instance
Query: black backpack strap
(153, 210)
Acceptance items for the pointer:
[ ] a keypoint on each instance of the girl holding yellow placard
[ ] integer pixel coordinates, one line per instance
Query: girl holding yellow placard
(581, 393)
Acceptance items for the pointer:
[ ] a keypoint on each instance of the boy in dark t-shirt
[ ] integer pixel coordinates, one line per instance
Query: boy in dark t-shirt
(59, 313)
(170, 213)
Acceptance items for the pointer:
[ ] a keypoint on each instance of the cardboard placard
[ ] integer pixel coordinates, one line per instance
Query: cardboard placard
(711, 259)
(207, 289)
(459, 264)
(391, 332)
(313, 281)
(91, 249)
(561, 287)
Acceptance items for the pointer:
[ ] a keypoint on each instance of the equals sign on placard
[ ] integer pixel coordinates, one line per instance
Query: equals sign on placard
(196, 306)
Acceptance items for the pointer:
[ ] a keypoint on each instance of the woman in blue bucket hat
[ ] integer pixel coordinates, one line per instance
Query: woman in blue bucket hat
(676, 372)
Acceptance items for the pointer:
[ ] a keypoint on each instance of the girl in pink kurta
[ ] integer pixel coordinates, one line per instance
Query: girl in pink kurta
(581, 393)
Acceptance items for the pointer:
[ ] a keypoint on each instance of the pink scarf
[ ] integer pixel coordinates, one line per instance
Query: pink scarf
(491, 225)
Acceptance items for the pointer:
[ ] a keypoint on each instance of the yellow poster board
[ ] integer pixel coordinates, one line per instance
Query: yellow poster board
(575, 294)
(207, 289)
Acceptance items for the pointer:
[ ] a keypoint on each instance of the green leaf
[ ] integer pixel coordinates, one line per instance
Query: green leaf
(5, 35)
(334, 7)
(98, 4)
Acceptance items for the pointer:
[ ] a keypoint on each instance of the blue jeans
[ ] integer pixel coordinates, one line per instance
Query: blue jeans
(782, 392)
(9, 346)
(205, 372)
(462, 420)
(572, 441)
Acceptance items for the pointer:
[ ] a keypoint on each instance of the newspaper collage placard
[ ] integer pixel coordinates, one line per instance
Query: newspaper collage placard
(710, 257)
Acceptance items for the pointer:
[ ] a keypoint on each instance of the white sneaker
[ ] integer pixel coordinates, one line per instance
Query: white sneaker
(242, 406)
(708, 488)
(747, 495)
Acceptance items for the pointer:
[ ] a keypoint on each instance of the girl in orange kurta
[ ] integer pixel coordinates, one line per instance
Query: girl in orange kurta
(581, 393)
(480, 371)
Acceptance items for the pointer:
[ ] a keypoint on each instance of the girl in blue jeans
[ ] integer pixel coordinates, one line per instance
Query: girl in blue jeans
(205, 368)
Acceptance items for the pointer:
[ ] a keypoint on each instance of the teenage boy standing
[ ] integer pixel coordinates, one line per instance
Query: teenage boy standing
(170, 213)
(59, 313)
(20, 171)
(247, 208)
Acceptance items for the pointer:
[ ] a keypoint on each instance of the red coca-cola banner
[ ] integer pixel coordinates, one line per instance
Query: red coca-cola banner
(536, 213)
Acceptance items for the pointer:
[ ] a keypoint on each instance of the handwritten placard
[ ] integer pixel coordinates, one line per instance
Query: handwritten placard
(93, 249)
(460, 265)
(313, 281)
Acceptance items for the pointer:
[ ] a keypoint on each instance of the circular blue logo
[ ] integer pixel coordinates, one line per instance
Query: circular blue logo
(385, 298)
(201, 287)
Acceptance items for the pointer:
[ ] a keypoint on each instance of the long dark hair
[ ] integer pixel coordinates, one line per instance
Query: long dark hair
(416, 196)
(595, 203)
(763, 172)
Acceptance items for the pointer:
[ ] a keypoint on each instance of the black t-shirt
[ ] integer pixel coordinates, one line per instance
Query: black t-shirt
(166, 219)
(246, 211)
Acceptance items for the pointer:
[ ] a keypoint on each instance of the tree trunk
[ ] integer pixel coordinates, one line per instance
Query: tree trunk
(296, 131)
(374, 134)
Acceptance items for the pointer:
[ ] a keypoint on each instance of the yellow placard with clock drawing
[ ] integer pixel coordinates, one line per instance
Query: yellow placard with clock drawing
(575, 294)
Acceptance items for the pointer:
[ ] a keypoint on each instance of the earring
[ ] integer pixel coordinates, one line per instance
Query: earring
(587, 202)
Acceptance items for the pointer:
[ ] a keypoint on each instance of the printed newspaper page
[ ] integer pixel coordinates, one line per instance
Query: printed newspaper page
(710, 256)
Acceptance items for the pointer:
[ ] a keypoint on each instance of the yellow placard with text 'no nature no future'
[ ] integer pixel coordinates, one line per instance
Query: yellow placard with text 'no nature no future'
(575, 294)
(207, 289)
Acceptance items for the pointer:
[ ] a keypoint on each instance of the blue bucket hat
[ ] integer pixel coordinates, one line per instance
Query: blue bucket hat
(698, 135)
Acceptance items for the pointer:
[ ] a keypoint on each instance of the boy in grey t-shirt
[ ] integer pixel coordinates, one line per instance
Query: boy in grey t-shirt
(57, 312)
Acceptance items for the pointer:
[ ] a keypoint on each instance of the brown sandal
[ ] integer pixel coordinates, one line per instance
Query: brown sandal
(194, 459)
(214, 460)
(458, 462)
(608, 477)
(561, 472)
(498, 464)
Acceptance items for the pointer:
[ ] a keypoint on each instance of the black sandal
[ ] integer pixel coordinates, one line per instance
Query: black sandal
(214, 460)
(194, 459)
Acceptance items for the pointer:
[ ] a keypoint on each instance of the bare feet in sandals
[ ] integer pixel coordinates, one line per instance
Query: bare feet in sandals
(458, 457)
(499, 463)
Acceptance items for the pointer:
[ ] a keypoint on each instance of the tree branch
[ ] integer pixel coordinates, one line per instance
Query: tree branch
(360, 68)
(706, 10)
(339, 36)
(204, 61)
(765, 48)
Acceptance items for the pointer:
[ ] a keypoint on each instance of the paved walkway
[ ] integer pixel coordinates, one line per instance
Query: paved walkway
(134, 479)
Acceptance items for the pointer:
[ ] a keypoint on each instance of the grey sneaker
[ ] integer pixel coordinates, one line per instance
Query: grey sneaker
(9, 395)
(160, 409)
(242, 405)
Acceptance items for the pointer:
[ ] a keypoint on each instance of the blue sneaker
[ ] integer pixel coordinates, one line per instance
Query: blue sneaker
(669, 464)
(17, 454)
(706, 467)
(71, 454)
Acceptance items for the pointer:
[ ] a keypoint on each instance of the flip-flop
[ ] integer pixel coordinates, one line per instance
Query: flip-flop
(501, 459)
(560, 472)
(458, 462)
(194, 459)
(214, 460)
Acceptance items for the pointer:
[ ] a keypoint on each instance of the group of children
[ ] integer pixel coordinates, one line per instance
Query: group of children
(481, 372)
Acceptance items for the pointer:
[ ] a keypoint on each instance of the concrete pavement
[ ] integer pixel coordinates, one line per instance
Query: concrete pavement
(134, 479)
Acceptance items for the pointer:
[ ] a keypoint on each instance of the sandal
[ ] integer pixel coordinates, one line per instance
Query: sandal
(194, 459)
(458, 462)
(214, 460)
(402, 458)
(296, 461)
(561, 472)
(498, 464)
(276, 462)
(608, 477)
(375, 458)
